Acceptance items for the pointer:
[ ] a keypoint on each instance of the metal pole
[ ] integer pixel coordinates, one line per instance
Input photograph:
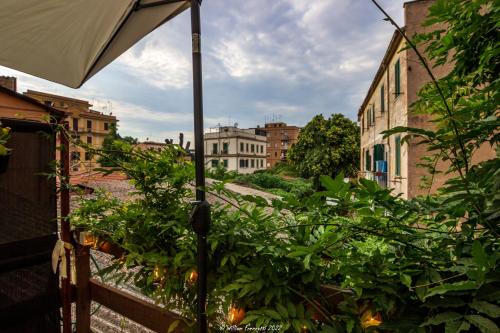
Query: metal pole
(201, 213)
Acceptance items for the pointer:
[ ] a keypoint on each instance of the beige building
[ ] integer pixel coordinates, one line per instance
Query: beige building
(241, 150)
(87, 125)
(280, 138)
(386, 105)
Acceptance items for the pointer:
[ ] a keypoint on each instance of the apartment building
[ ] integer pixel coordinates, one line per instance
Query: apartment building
(87, 125)
(280, 138)
(241, 150)
(387, 105)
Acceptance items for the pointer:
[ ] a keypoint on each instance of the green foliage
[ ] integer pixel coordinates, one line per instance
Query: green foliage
(110, 147)
(220, 173)
(4, 137)
(326, 146)
(333, 259)
(276, 184)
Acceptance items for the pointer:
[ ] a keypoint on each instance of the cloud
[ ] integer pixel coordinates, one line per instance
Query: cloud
(158, 64)
(294, 58)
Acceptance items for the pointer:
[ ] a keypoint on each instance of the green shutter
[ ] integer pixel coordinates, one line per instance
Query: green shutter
(397, 78)
(398, 155)
(368, 161)
(382, 99)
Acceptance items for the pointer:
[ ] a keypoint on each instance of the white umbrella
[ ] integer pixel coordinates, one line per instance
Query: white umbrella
(68, 41)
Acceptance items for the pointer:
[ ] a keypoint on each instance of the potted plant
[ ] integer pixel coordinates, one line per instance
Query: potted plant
(4, 151)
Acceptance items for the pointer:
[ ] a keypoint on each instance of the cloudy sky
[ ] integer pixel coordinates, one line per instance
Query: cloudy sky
(292, 58)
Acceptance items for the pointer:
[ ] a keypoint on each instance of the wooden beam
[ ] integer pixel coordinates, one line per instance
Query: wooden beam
(82, 289)
(142, 312)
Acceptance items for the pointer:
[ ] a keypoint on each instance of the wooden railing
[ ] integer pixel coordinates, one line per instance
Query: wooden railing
(144, 313)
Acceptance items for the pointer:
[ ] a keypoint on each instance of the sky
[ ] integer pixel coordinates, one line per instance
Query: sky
(291, 59)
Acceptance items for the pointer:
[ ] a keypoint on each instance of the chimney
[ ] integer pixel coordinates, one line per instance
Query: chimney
(9, 82)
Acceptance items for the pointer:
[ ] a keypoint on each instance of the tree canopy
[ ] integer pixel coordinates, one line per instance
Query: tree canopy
(327, 147)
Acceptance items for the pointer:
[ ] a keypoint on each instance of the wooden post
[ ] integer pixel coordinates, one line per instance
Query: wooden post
(65, 228)
(83, 300)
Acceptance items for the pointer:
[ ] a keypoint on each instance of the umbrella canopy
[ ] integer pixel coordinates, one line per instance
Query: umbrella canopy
(69, 41)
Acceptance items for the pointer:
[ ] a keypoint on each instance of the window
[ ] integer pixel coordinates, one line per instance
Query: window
(252, 148)
(75, 124)
(253, 163)
(247, 147)
(225, 163)
(261, 163)
(242, 147)
(106, 126)
(88, 156)
(75, 156)
(215, 148)
(225, 147)
(382, 99)
(215, 163)
(242, 163)
(275, 154)
(397, 142)
(397, 78)
(89, 124)
(246, 163)
(373, 114)
(368, 160)
(89, 140)
(262, 149)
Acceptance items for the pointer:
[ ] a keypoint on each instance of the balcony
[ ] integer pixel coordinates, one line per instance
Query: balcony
(376, 176)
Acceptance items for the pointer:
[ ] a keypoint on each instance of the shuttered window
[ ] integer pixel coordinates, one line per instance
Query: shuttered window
(397, 78)
(368, 160)
(382, 99)
(397, 143)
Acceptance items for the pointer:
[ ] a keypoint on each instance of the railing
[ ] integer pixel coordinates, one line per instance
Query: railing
(144, 313)
(378, 176)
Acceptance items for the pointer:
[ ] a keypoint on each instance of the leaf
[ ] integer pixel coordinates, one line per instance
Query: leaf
(456, 326)
(457, 286)
(273, 314)
(307, 261)
(291, 310)
(173, 326)
(485, 325)
(282, 310)
(480, 257)
(405, 279)
(442, 318)
(489, 309)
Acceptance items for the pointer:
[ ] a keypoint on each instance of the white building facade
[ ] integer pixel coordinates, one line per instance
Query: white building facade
(241, 150)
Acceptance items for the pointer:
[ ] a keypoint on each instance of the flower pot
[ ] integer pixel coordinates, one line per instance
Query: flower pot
(4, 163)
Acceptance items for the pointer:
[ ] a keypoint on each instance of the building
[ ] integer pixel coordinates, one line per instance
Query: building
(280, 138)
(386, 105)
(87, 125)
(14, 105)
(241, 150)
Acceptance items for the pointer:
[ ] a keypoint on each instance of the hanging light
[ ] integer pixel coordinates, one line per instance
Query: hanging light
(369, 319)
(158, 274)
(193, 277)
(236, 315)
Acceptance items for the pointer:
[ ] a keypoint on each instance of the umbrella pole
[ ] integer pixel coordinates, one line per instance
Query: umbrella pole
(201, 212)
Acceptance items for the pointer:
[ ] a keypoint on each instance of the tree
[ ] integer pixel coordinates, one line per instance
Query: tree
(109, 146)
(327, 147)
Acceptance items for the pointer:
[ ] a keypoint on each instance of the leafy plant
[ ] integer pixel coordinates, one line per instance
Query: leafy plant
(4, 137)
